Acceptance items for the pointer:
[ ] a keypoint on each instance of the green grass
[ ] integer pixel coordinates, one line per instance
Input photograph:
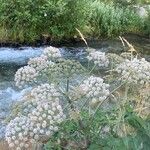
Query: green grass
(94, 130)
(109, 20)
(28, 21)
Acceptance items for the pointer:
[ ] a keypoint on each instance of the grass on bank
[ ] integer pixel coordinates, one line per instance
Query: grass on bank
(109, 20)
(27, 20)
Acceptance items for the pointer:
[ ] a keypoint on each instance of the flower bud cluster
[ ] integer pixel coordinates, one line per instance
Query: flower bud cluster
(17, 133)
(39, 63)
(52, 52)
(25, 75)
(99, 58)
(136, 71)
(45, 92)
(95, 89)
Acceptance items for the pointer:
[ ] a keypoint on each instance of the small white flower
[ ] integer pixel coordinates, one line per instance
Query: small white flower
(36, 137)
(11, 145)
(16, 142)
(48, 133)
(26, 145)
(41, 131)
(52, 52)
(18, 148)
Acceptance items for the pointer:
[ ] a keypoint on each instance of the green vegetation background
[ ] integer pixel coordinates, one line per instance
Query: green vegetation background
(28, 20)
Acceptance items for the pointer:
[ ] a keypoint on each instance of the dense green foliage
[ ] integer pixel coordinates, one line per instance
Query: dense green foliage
(127, 2)
(100, 134)
(108, 20)
(147, 25)
(27, 20)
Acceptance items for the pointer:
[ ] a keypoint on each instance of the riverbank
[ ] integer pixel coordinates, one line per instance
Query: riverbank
(75, 42)
(49, 21)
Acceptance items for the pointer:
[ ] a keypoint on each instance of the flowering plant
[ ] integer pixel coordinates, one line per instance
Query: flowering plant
(64, 92)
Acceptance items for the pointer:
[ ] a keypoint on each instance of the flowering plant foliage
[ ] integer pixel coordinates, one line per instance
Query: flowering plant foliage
(135, 71)
(98, 58)
(57, 96)
(95, 89)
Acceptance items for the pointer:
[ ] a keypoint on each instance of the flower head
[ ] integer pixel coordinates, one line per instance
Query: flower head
(17, 132)
(45, 92)
(69, 68)
(46, 117)
(39, 63)
(136, 71)
(95, 89)
(52, 52)
(25, 75)
(99, 58)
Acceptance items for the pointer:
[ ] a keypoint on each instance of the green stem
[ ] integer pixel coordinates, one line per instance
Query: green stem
(67, 88)
(100, 104)
(81, 125)
(92, 69)
(126, 92)
(68, 99)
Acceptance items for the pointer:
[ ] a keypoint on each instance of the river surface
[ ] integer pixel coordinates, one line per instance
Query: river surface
(13, 58)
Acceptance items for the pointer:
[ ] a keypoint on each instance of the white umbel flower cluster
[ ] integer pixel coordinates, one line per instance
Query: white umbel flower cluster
(99, 58)
(45, 92)
(17, 133)
(25, 75)
(136, 71)
(95, 89)
(39, 119)
(52, 52)
(46, 117)
(39, 63)
(37, 66)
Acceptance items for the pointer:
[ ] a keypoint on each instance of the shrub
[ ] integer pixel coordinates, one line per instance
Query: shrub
(147, 24)
(27, 20)
(128, 2)
(109, 20)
